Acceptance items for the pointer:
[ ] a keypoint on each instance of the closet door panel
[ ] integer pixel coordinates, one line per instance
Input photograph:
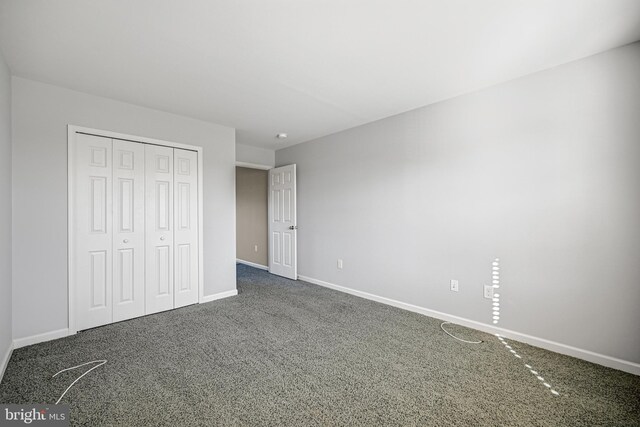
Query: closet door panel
(93, 231)
(159, 248)
(129, 230)
(186, 227)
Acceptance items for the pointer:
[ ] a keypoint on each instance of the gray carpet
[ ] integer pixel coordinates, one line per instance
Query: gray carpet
(295, 354)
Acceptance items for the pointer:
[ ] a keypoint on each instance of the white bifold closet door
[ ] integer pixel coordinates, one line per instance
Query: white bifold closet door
(128, 230)
(186, 227)
(135, 229)
(159, 226)
(172, 228)
(93, 234)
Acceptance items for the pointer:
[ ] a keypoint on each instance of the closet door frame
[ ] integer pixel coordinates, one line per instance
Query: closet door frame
(72, 130)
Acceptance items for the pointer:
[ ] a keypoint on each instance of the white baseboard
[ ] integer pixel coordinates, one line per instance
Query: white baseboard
(220, 295)
(590, 356)
(5, 360)
(252, 264)
(61, 333)
(35, 339)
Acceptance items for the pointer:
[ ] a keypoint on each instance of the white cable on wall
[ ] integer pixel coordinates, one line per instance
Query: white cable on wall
(99, 363)
(453, 336)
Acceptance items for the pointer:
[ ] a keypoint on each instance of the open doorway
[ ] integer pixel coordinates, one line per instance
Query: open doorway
(251, 217)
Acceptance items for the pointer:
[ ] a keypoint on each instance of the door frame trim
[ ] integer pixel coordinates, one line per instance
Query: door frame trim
(253, 166)
(71, 141)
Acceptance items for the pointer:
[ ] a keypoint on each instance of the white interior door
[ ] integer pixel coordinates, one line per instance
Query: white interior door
(282, 222)
(159, 228)
(186, 227)
(92, 231)
(128, 230)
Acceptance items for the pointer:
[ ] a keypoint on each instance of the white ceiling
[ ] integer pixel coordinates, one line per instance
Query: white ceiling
(305, 67)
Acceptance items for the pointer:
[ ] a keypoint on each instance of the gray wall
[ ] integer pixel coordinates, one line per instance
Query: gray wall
(255, 155)
(41, 114)
(542, 171)
(251, 215)
(5, 210)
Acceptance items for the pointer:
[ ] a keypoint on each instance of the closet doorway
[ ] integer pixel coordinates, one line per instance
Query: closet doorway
(135, 226)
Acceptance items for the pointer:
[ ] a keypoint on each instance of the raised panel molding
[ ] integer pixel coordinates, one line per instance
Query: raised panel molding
(126, 205)
(162, 205)
(126, 277)
(286, 205)
(276, 205)
(277, 251)
(183, 273)
(164, 269)
(98, 204)
(184, 211)
(162, 164)
(98, 157)
(125, 160)
(184, 166)
(286, 246)
(98, 278)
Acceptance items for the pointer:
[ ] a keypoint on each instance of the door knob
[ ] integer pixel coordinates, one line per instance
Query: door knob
(293, 227)
(161, 237)
(125, 241)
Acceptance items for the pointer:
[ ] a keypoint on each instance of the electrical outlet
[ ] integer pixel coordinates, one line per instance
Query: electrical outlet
(339, 264)
(255, 248)
(454, 285)
(488, 291)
